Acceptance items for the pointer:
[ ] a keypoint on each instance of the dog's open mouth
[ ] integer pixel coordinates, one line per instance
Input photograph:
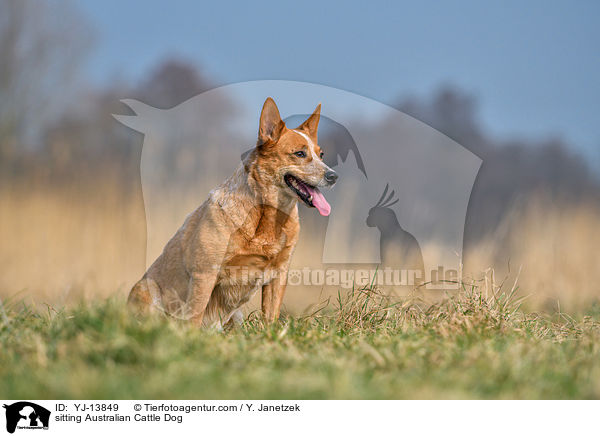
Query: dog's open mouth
(308, 194)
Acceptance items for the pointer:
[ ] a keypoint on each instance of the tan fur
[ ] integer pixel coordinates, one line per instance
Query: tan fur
(241, 239)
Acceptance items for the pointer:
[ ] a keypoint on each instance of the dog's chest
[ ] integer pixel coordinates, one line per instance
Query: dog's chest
(266, 234)
(257, 252)
(255, 263)
(257, 255)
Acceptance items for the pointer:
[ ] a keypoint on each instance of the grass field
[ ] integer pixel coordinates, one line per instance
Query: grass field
(361, 346)
(64, 246)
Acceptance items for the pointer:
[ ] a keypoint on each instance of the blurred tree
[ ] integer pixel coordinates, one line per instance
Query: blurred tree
(87, 140)
(42, 44)
(451, 112)
(172, 82)
(512, 171)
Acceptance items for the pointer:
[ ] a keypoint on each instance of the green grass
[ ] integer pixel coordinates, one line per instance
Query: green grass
(363, 346)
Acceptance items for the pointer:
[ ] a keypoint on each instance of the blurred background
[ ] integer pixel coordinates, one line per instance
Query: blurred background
(516, 84)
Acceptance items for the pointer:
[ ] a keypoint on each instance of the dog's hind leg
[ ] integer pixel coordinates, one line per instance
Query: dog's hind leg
(144, 295)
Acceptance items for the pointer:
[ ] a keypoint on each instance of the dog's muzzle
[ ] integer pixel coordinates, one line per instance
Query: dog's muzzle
(331, 177)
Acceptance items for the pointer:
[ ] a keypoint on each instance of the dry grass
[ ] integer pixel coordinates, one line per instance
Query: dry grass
(59, 245)
(550, 249)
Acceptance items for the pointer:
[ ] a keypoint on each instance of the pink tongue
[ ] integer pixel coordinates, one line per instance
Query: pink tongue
(318, 200)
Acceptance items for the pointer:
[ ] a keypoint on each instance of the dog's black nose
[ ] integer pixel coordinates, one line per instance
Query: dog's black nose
(331, 177)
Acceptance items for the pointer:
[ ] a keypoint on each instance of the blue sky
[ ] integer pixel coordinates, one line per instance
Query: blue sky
(534, 66)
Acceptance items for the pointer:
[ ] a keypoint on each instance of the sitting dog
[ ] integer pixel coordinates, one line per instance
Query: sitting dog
(242, 237)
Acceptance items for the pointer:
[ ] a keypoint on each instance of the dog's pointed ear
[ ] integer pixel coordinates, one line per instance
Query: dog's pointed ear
(271, 126)
(311, 125)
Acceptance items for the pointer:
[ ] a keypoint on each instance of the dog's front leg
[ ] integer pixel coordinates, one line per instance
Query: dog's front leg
(200, 289)
(272, 296)
(267, 301)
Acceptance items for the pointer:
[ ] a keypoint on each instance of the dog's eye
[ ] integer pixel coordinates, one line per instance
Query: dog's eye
(300, 154)
(321, 155)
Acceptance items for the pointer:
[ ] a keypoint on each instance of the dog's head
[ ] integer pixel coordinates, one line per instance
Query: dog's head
(291, 159)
